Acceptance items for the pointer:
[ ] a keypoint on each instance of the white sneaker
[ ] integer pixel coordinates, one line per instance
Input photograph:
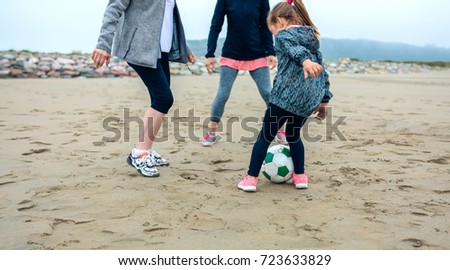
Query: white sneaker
(144, 163)
(159, 161)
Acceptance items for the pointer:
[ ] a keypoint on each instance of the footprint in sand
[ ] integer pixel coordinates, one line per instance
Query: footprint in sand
(99, 143)
(417, 243)
(442, 191)
(189, 176)
(220, 161)
(441, 161)
(25, 205)
(36, 151)
(41, 143)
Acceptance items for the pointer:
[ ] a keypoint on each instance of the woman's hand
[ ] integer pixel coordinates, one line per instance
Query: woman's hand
(272, 61)
(191, 58)
(209, 63)
(100, 56)
(311, 68)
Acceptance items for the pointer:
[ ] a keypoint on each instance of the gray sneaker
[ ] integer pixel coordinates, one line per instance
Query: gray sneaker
(144, 163)
(159, 161)
(210, 139)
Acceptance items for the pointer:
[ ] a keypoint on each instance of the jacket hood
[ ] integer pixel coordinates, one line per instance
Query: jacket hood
(305, 36)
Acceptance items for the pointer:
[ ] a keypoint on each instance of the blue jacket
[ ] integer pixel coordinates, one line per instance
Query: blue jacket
(291, 91)
(135, 26)
(248, 37)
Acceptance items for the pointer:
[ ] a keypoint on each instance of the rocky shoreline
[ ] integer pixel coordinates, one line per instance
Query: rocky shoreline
(54, 65)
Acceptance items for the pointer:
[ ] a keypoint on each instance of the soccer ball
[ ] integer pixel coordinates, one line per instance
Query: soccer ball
(278, 166)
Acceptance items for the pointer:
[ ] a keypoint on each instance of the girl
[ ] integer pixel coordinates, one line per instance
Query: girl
(147, 34)
(248, 46)
(293, 98)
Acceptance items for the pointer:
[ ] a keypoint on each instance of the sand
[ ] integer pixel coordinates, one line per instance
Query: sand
(380, 182)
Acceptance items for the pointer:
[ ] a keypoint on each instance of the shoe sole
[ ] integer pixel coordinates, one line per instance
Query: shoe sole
(131, 164)
(247, 189)
(162, 165)
(207, 144)
(301, 186)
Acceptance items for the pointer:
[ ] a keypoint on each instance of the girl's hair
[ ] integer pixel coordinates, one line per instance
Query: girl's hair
(294, 13)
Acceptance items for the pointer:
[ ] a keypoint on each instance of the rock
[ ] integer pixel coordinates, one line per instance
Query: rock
(5, 72)
(33, 60)
(56, 65)
(9, 56)
(196, 70)
(46, 59)
(119, 70)
(92, 75)
(30, 67)
(68, 67)
(65, 61)
(44, 68)
(185, 72)
(41, 74)
(54, 74)
(103, 70)
(4, 63)
(71, 73)
(16, 72)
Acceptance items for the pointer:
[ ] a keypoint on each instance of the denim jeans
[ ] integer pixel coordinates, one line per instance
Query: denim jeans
(228, 75)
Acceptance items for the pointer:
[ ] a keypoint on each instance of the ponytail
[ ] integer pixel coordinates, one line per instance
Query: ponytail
(294, 11)
(301, 11)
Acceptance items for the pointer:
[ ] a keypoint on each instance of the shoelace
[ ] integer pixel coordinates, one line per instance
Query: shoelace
(146, 160)
(156, 155)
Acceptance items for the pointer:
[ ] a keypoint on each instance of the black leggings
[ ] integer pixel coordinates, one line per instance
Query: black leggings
(274, 119)
(157, 81)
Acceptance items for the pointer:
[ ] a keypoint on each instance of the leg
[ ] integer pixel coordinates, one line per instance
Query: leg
(261, 76)
(227, 77)
(293, 136)
(273, 120)
(162, 100)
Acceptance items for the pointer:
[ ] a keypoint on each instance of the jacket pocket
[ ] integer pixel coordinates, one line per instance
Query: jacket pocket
(129, 43)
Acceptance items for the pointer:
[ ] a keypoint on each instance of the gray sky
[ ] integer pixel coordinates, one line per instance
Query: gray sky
(68, 25)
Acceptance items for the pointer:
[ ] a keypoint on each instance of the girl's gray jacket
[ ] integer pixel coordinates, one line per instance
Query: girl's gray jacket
(291, 91)
(135, 26)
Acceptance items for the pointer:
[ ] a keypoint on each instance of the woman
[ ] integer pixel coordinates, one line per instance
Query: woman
(147, 34)
(248, 46)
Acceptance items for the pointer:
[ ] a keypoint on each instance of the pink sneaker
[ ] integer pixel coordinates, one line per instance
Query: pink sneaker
(300, 181)
(248, 184)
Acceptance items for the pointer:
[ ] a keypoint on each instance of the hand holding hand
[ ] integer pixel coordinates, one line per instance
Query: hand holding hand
(209, 64)
(311, 68)
(100, 57)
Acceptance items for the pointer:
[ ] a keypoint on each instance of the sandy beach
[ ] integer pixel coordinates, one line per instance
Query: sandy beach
(381, 181)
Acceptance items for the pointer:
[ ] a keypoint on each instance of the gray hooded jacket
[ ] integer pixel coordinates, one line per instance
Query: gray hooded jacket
(135, 26)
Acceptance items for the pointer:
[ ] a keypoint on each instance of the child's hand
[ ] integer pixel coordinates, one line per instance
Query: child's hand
(312, 68)
(321, 111)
